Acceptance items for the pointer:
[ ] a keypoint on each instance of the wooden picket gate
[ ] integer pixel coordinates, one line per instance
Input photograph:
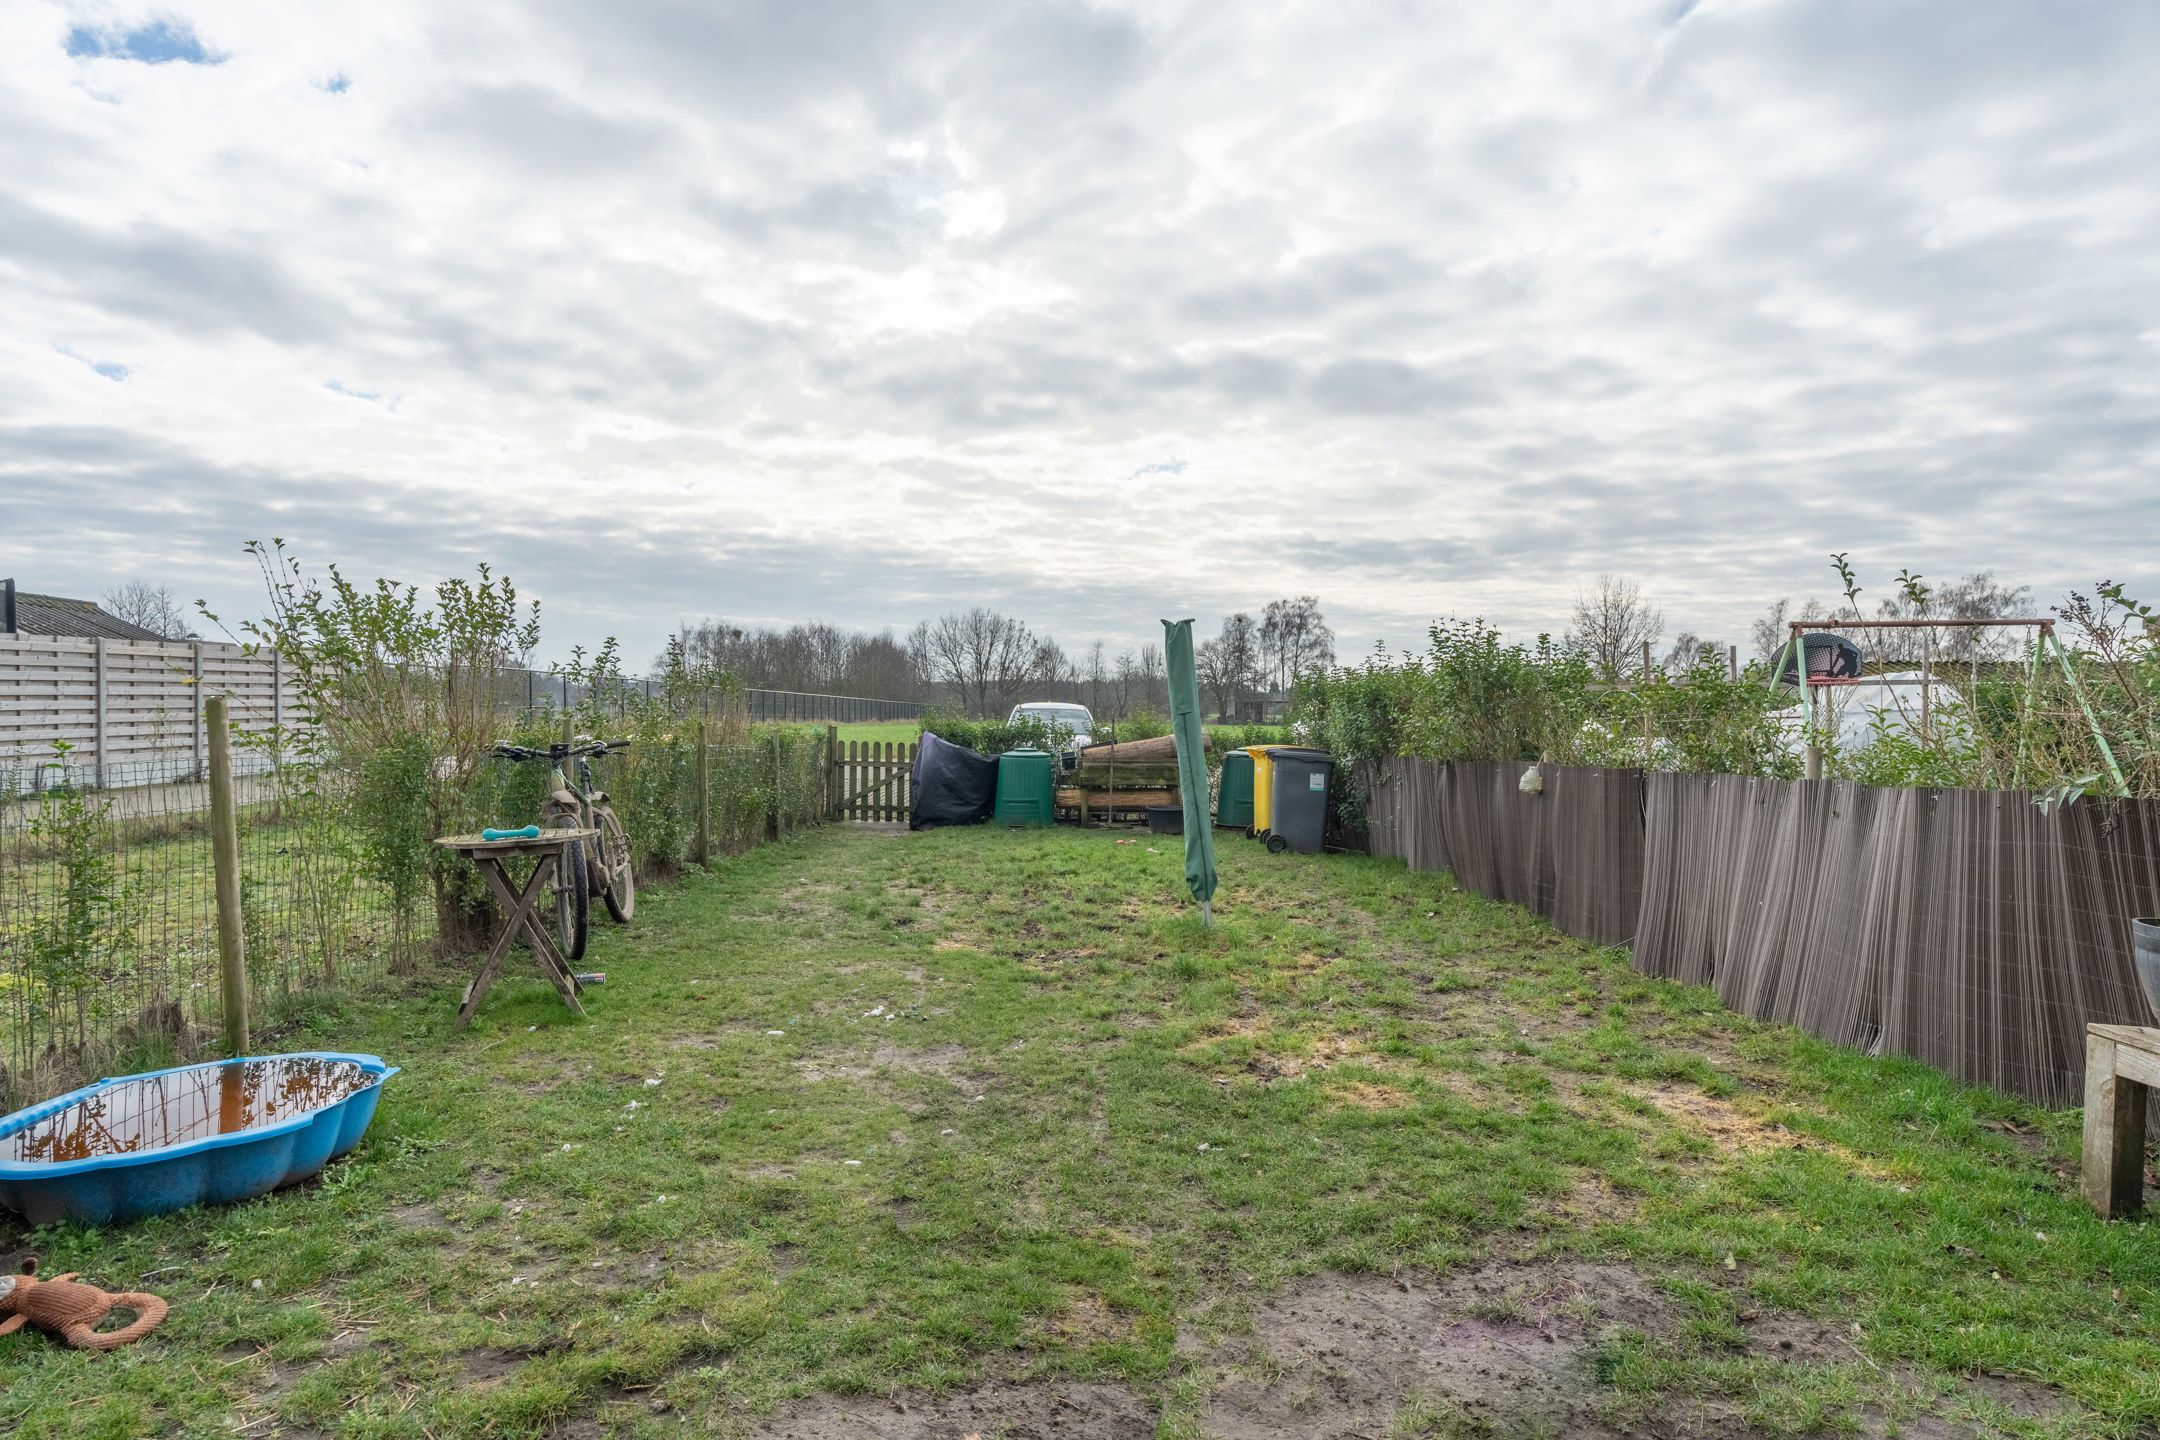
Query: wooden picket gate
(871, 780)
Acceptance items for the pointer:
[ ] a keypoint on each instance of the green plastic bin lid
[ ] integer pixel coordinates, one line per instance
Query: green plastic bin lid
(1030, 750)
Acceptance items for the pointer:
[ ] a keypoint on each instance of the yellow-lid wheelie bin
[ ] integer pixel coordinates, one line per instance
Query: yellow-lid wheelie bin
(1263, 788)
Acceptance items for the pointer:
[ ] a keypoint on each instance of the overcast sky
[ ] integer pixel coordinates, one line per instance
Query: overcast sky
(1098, 313)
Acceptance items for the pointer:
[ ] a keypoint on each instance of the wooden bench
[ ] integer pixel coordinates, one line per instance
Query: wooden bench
(2121, 1063)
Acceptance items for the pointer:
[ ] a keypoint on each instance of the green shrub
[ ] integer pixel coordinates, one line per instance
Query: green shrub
(1237, 737)
(993, 737)
(1140, 725)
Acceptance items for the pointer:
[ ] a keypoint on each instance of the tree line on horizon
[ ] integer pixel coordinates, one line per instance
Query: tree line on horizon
(983, 661)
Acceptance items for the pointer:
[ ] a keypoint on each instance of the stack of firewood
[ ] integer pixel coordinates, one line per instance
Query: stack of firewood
(1113, 780)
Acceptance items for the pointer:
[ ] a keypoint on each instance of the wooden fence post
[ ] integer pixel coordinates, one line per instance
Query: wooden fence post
(772, 810)
(1647, 741)
(831, 807)
(196, 692)
(225, 855)
(97, 691)
(702, 848)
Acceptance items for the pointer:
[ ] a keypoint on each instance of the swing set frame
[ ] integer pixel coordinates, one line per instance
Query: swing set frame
(1795, 649)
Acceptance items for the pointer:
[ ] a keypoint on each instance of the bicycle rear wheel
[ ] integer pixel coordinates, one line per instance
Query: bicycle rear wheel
(616, 866)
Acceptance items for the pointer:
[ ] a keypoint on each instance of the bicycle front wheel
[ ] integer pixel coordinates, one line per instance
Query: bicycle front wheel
(573, 890)
(618, 870)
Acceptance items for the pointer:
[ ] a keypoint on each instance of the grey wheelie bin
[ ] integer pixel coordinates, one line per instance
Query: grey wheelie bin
(1297, 818)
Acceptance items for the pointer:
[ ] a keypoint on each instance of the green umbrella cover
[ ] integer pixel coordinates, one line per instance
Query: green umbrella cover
(1192, 769)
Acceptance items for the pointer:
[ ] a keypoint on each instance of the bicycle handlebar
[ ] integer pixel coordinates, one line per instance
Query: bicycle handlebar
(559, 750)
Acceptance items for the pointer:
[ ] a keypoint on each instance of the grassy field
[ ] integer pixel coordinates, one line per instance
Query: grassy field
(904, 731)
(980, 1132)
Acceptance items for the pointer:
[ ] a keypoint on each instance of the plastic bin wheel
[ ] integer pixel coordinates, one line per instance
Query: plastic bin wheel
(1276, 844)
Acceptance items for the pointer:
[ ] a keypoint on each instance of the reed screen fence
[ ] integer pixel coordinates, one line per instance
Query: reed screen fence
(1966, 928)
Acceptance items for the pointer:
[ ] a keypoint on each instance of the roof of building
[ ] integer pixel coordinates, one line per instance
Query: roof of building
(58, 615)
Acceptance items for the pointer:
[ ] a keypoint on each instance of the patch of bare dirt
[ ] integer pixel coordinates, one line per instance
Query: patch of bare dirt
(1089, 1320)
(479, 1367)
(993, 1411)
(1509, 1348)
(1364, 1095)
(1502, 1347)
(766, 1172)
(1735, 1131)
(949, 1063)
(1592, 1202)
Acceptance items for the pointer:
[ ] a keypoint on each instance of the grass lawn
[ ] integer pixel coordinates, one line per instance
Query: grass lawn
(970, 1132)
(905, 732)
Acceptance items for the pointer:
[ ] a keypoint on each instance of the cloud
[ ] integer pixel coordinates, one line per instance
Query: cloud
(802, 309)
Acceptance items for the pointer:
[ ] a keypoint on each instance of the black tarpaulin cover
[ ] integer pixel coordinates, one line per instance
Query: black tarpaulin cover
(953, 785)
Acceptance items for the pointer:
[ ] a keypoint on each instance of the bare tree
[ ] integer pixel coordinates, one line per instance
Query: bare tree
(1294, 640)
(1213, 675)
(1240, 660)
(1690, 650)
(816, 657)
(1154, 678)
(1611, 625)
(1097, 679)
(1770, 632)
(153, 607)
(983, 655)
(1124, 683)
(879, 667)
(1978, 596)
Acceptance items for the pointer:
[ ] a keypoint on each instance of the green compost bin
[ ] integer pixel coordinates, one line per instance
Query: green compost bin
(1026, 788)
(1233, 798)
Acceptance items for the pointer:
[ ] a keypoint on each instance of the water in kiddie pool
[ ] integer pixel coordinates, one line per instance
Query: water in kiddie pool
(154, 1112)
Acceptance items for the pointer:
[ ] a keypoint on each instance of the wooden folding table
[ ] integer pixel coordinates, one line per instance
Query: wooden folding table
(520, 908)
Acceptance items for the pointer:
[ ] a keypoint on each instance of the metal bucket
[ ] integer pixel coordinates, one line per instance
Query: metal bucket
(2145, 947)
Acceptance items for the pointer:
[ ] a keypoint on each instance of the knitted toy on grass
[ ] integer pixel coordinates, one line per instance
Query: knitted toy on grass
(73, 1311)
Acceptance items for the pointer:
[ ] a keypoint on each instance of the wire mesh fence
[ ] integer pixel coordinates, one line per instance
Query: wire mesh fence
(541, 690)
(108, 910)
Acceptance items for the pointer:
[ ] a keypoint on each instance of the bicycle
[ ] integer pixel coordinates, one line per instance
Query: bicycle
(606, 866)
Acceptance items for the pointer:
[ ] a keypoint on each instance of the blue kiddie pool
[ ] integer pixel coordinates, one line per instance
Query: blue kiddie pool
(208, 1134)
